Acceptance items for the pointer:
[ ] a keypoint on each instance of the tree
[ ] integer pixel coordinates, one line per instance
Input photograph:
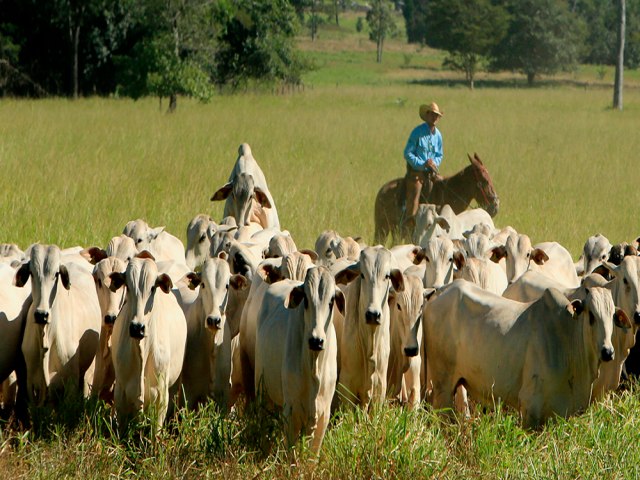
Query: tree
(468, 30)
(415, 19)
(617, 88)
(175, 53)
(256, 42)
(381, 24)
(543, 37)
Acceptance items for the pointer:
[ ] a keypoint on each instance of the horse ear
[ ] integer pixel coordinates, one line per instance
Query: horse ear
(477, 158)
(470, 159)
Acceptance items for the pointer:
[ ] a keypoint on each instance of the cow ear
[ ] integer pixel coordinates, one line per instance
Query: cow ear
(117, 280)
(222, 193)
(270, 273)
(22, 275)
(262, 198)
(498, 253)
(154, 232)
(146, 254)
(607, 271)
(93, 254)
(164, 282)
(296, 296)
(621, 319)
(419, 257)
(223, 256)
(415, 251)
(238, 282)
(194, 279)
(348, 274)
(539, 256)
(429, 293)
(339, 301)
(397, 280)
(459, 260)
(313, 255)
(64, 277)
(444, 223)
(578, 307)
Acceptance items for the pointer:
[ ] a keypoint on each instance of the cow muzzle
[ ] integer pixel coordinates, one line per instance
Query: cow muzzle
(214, 323)
(41, 317)
(109, 319)
(373, 317)
(316, 344)
(411, 351)
(136, 330)
(607, 354)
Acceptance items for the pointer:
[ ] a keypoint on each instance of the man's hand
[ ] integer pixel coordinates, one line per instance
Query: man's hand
(431, 164)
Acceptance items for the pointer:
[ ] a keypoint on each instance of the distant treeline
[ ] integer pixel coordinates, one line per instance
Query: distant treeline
(191, 47)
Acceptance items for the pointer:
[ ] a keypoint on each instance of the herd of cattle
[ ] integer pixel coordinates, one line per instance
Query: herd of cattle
(466, 310)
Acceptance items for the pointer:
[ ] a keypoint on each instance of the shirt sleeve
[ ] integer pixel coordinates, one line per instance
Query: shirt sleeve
(410, 151)
(438, 152)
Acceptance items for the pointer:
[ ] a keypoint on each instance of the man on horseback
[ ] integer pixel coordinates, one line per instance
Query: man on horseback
(423, 154)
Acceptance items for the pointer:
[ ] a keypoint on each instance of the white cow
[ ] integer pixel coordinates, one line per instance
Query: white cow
(247, 196)
(157, 241)
(61, 332)
(207, 364)
(110, 305)
(296, 352)
(403, 374)
(365, 343)
(199, 232)
(595, 251)
(14, 303)
(10, 252)
(550, 258)
(438, 254)
(148, 341)
(292, 266)
(482, 271)
(540, 357)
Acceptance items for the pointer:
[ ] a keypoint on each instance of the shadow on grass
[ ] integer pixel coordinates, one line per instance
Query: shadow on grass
(516, 83)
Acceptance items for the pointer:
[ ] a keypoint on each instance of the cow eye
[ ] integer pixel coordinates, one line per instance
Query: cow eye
(626, 282)
(592, 319)
(139, 240)
(604, 256)
(362, 275)
(331, 303)
(387, 276)
(528, 254)
(227, 286)
(399, 308)
(202, 238)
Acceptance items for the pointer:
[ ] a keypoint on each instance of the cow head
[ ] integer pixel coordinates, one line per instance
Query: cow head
(407, 307)
(439, 257)
(110, 302)
(199, 233)
(626, 285)
(142, 281)
(142, 234)
(317, 296)
(599, 315)
(47, 273)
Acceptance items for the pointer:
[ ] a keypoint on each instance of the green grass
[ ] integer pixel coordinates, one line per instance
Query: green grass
(562, 161)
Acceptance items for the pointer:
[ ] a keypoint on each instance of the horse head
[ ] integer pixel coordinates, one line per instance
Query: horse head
(486, 195)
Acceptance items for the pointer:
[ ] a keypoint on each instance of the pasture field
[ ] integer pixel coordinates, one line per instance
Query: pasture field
(562, 162)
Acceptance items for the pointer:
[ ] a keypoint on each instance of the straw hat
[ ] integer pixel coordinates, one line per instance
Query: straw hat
(432, 107)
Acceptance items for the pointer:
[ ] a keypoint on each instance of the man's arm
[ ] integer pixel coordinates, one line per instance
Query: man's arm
(410, 156)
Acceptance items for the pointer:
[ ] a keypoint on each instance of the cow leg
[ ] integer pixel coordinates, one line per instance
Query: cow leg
(462, 401)
(236, 373)
(412, 387)
(321, 428)
(248, 380)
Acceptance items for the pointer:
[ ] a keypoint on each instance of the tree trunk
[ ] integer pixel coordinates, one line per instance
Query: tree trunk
(336, 4)
(379, 49)
(76, 47)
(617, 87)
(173, 103)
(530, 78)
(314, 19)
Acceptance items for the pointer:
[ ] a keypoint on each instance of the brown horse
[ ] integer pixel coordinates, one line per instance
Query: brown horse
(471, 183)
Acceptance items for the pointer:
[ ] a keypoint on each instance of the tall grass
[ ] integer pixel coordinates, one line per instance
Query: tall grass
(75, 172)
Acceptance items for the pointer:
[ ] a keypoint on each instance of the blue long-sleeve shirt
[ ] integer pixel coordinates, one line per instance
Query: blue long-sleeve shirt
(422, 146)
